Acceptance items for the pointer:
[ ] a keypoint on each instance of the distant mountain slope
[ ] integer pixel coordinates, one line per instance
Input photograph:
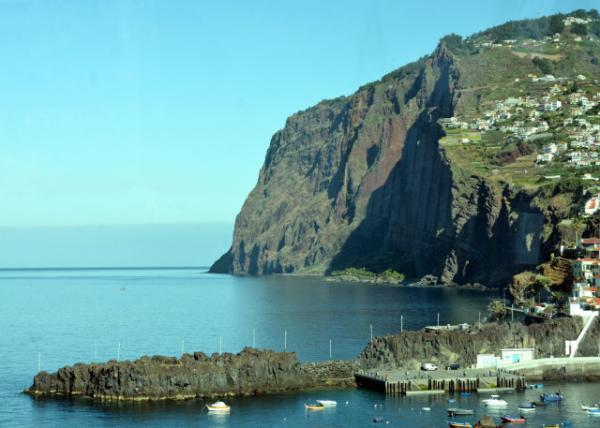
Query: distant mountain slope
(363, 181)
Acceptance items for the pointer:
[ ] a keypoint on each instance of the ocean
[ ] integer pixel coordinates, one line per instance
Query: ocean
(56, 317)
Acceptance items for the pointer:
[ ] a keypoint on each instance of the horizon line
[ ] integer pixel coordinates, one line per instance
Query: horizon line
(63, 268)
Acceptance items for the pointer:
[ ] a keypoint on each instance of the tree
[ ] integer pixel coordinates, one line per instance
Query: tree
(543, 65)
(557, 24)
(580, 29)
(497, 310)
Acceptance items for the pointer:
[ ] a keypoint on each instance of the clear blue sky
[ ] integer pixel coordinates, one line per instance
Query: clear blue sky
(142, 112)
(158, 114)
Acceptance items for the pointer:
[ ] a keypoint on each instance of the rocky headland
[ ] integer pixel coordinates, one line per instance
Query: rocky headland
(253, 372)
(363, 181)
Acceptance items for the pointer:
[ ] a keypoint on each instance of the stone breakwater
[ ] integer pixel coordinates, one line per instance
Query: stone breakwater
(253, 372)
(250, 372)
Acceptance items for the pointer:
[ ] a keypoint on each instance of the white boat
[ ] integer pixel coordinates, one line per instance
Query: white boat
(495, 402)
(495, 396)
(594, 407)
(218, 407)
(426, 409)
(593, 412)
(327, 403)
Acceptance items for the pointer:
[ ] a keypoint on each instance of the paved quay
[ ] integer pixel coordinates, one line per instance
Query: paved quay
(413, 382)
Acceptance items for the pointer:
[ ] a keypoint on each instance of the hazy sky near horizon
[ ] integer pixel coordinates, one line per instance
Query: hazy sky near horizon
(143, 112)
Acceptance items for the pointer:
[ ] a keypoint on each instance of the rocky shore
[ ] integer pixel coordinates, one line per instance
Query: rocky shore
(250, 372)
(409, 349)
(253, 372)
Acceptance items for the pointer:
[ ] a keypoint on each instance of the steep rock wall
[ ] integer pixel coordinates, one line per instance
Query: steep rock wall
(362, 181)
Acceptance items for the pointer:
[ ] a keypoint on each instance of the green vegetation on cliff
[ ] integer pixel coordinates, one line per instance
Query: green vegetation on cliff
(386, 183)
(389, 276)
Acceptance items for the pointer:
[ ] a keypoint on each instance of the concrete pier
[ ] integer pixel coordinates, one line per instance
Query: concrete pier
(413, 382)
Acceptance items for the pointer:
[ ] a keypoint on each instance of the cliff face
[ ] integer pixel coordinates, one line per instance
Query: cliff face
(362, 181)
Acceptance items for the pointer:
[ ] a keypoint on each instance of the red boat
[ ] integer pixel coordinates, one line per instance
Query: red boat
(511, 420)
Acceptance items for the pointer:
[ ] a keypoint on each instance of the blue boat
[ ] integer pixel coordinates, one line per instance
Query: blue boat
(549, 397)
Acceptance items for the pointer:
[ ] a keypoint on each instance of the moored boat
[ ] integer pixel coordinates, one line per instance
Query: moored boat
(327, 403)
(527, 407)
(593, 412)
(316, 406)
(550, 397)
(495, 402)
(512, 419)
(452, 424)
(455, 411)
(535, 386)
(218, 407)
(592, 407)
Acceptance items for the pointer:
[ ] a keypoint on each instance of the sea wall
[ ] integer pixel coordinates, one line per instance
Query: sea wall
(580, 369)
(250, 372)
(410, 349)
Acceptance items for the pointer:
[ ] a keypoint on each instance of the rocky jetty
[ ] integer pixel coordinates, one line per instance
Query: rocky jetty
(410, 349)
(253, 372)
(250, 372)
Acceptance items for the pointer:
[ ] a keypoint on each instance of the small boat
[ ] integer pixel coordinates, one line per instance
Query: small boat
(527, 407)
(327, 403)
(593, 412)
(316, 406)
(455, 411)
(495, 402)
(378, 420)
(218, 407)
(465, 394)
(535, 386)
(512, 420)
(552, 426)
(452, 424)
(426, 409)
(594, 407)
(551, 397)
(495, 396)
(451, 400)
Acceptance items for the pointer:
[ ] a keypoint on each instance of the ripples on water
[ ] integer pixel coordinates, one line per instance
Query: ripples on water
(60, 317)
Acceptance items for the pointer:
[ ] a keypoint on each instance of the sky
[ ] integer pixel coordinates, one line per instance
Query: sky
(136, 112)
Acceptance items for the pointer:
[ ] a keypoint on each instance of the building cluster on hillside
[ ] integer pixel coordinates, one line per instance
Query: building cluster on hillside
(586, 275)
(561, 109)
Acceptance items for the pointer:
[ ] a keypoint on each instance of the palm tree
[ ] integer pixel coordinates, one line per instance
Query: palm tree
(497, 310)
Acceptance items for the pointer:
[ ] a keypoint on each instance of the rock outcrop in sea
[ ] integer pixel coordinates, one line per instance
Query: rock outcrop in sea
(250, 372)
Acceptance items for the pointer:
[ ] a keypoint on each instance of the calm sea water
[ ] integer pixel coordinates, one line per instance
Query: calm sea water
(50, 318)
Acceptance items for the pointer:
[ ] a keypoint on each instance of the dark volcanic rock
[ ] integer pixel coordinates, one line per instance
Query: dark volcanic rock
(156, 378)
(362, 181)
(410, 349)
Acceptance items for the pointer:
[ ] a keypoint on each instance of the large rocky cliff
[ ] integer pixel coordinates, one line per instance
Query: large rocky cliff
(362, 181)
